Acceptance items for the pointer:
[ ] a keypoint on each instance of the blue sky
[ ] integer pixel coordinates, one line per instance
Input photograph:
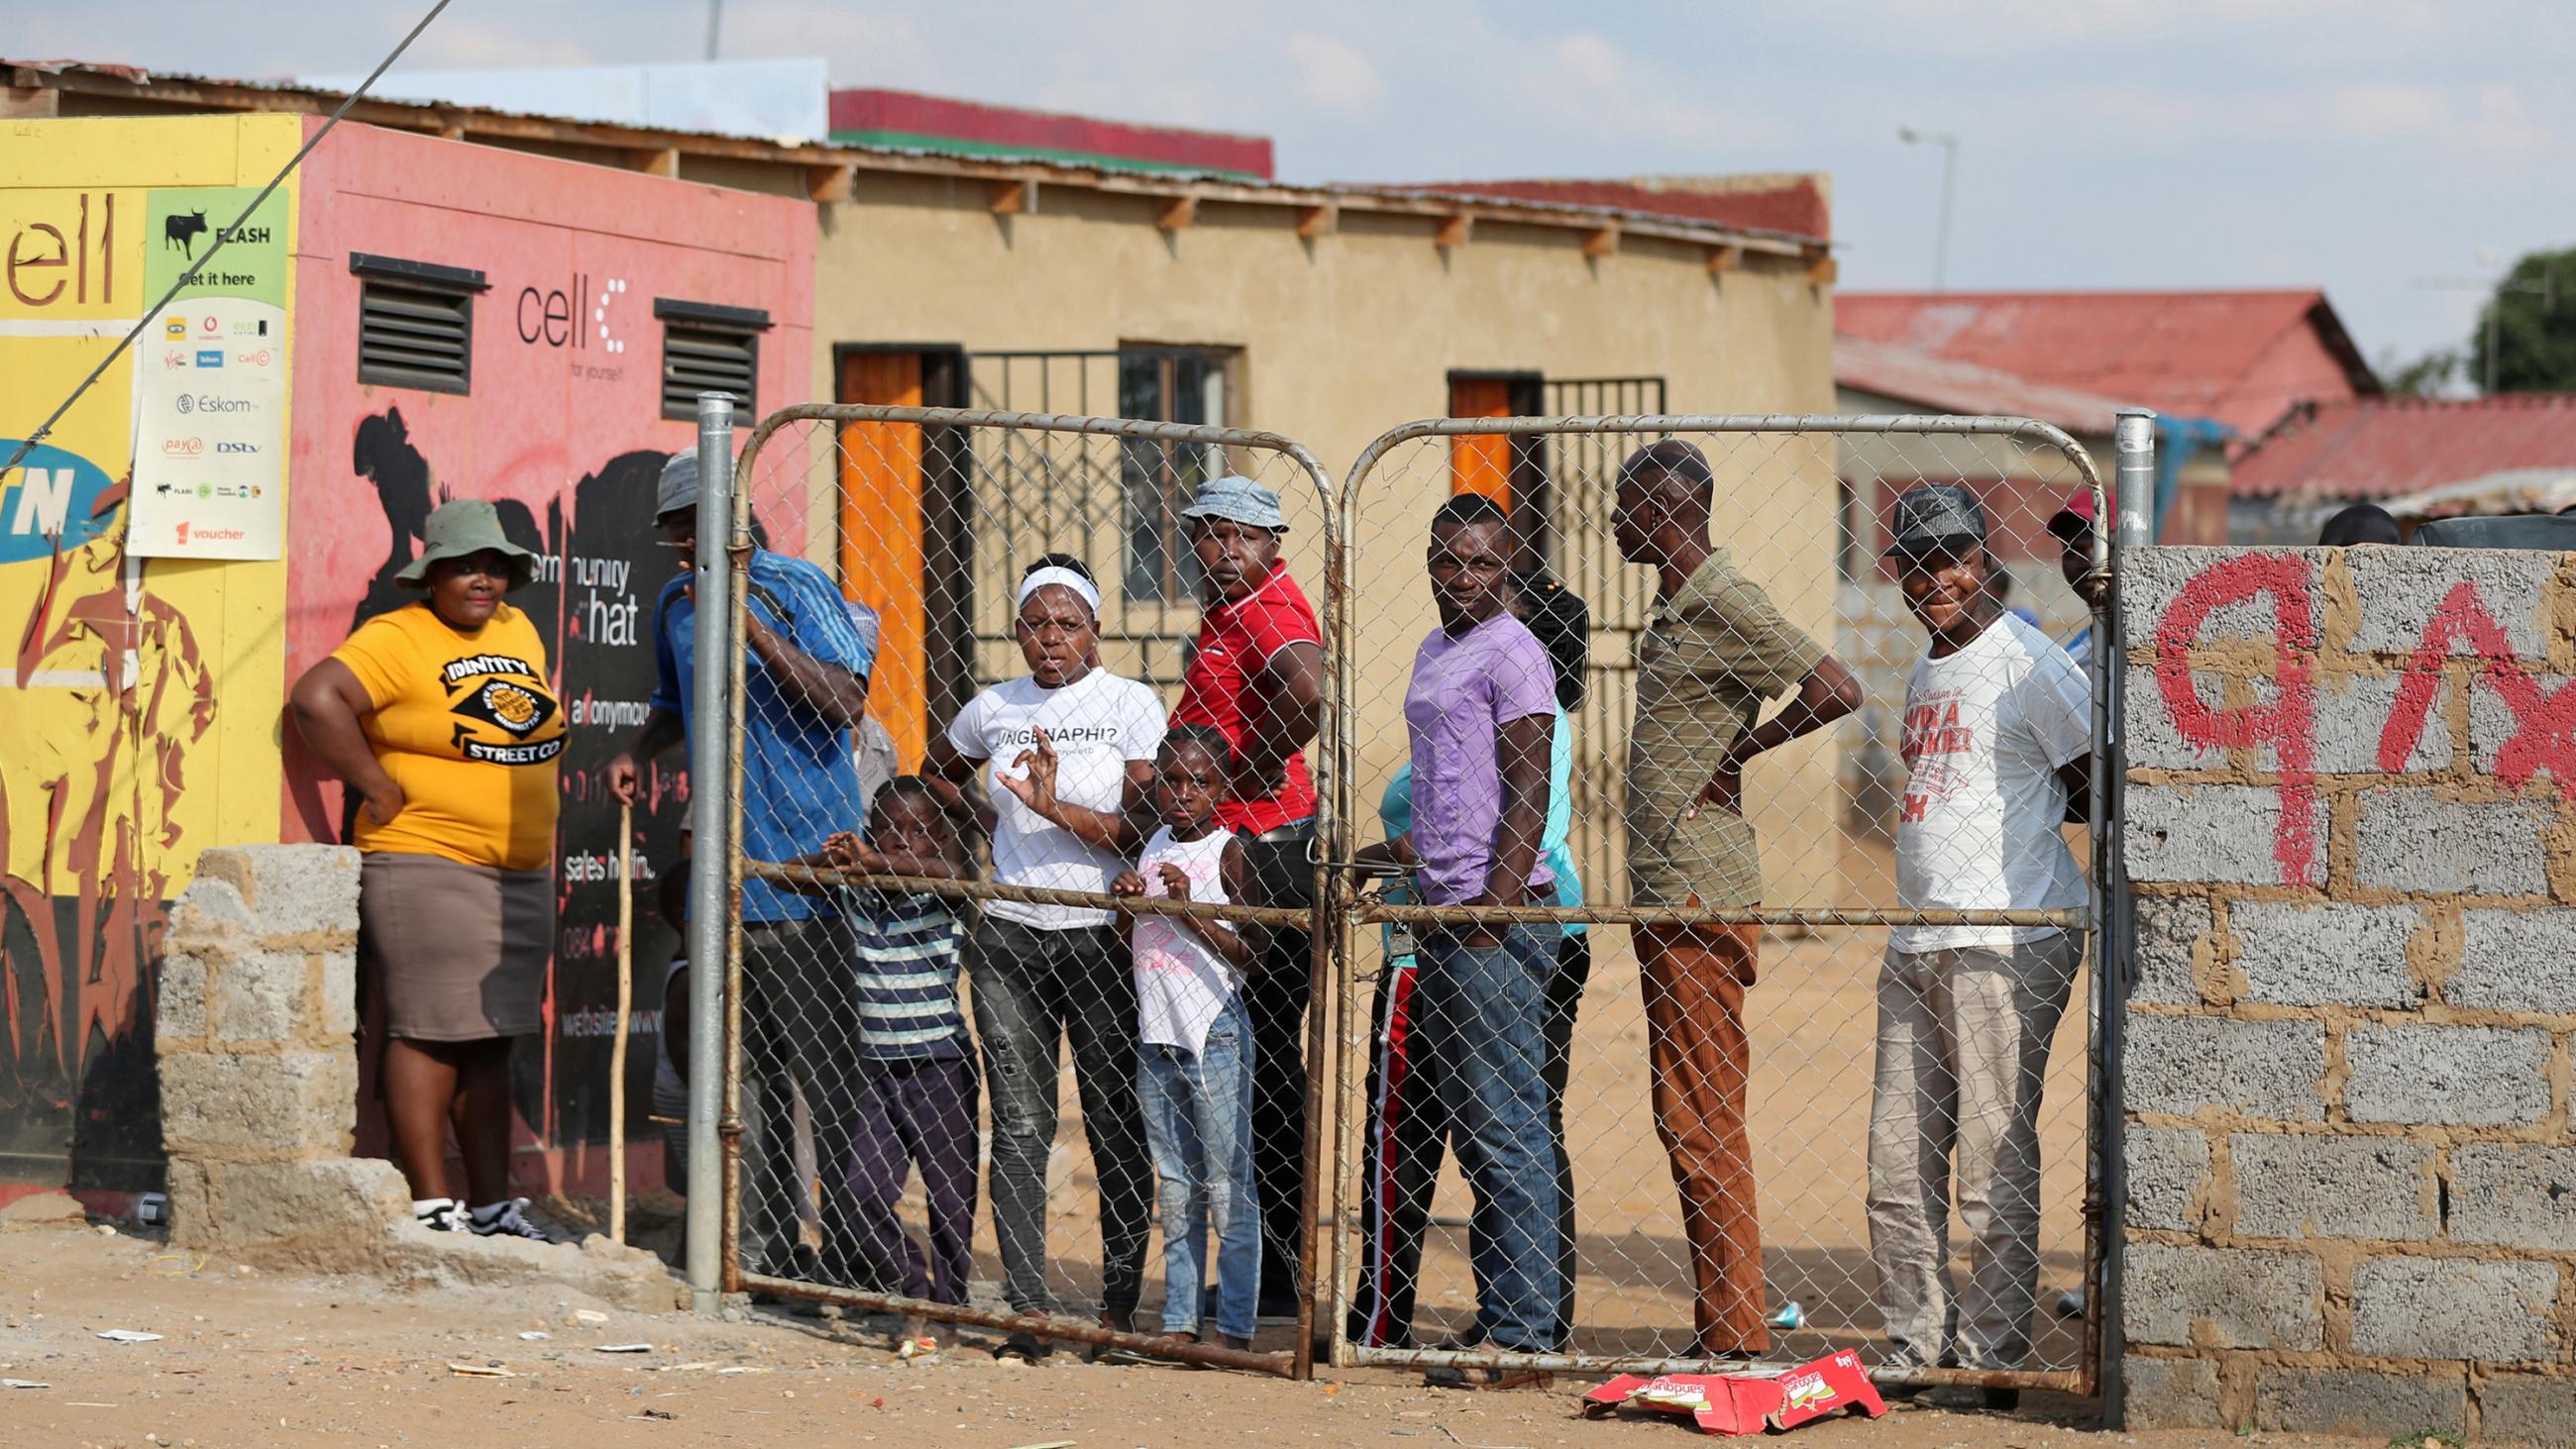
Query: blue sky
(2365, 146)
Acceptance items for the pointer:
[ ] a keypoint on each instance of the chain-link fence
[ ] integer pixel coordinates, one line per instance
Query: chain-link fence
(972, 1084)
(1723, 1108)
(1011, 1017)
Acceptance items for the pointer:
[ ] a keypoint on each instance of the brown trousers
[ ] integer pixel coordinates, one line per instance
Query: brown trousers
(1694, 981)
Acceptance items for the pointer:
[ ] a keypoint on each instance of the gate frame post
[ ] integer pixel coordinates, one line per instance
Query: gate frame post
(709, 878)
(2133, 439)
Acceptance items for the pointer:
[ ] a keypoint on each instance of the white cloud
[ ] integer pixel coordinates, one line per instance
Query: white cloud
(1332, 75)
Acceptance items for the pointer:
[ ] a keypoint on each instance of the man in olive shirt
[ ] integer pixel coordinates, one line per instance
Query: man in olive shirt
(1714, 650)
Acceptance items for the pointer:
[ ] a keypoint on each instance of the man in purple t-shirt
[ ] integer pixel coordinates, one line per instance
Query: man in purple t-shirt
(1479, 711)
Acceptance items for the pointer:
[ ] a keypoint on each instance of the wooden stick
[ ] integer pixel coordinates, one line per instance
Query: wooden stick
(625, 1009)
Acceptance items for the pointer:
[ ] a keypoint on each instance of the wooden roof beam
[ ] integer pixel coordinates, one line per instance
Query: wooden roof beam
(1011, 198)
(1315, 221)
(1722, 260)
(830, 183)
(1602, 242)
(1178, 214)
(1454, 231)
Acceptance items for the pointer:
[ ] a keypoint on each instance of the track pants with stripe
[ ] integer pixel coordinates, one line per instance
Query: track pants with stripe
(1404, 1138)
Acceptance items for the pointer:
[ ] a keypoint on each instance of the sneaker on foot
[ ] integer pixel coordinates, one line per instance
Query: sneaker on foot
(439, 1214)
(505, 1220)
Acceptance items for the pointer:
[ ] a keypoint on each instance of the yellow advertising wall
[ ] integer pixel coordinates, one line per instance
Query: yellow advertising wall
(139, 699)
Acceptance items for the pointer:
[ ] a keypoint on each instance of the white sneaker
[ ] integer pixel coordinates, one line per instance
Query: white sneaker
(439, 1214)
(508, 1222)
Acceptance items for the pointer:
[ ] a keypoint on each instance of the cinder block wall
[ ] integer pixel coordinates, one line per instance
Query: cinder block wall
(255, 1025)
(2352, 1182)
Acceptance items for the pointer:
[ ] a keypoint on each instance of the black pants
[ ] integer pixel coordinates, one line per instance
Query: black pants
(1277, 999)
(800, 1031)
(1405, 1136)
(1034, 989)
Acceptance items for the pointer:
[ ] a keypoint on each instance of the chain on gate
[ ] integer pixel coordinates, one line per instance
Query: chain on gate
(964, 957)
(1720, 1110)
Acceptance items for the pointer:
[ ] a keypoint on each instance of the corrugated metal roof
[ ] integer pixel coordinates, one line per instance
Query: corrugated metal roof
(1903, 374)
(2386, 447)
(2195, 353)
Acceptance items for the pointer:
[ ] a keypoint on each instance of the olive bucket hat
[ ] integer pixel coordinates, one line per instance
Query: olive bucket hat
(466, 526)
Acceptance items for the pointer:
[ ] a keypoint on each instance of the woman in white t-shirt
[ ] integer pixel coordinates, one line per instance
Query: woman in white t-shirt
(1065, 754)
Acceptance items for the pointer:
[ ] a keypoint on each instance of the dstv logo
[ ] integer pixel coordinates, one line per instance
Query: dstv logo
(224, 447)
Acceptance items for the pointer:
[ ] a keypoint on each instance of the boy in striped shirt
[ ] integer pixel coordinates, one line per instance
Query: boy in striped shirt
(918, 1099)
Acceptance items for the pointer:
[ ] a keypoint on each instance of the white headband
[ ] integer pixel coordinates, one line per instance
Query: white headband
(1083, 588)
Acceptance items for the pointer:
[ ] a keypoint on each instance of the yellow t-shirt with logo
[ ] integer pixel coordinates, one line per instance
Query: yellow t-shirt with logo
(467, 725)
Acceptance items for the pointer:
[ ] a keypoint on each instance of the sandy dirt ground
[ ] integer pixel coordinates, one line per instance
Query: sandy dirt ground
(263, 1359)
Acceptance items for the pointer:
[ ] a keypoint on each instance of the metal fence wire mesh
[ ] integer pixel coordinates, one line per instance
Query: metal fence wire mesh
(1617, 1058)
(1725, 1108)
(973, 1081)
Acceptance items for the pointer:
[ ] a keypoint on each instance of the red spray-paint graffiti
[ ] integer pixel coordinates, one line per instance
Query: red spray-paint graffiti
(2544, 736)
(2288, 723)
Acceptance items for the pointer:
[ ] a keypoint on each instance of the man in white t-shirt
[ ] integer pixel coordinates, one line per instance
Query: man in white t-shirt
(1997, 741)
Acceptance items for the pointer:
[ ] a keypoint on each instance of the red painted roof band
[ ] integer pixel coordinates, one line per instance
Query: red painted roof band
(1798, 209)
(1049, 131)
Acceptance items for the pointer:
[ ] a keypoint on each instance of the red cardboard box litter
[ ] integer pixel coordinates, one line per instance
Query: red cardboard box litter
(1749, 1403)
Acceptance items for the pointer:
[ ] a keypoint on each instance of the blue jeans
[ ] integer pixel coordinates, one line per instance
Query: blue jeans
(1484, 1015)
(1198, 1125)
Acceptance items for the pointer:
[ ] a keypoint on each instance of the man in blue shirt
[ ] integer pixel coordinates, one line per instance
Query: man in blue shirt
(805, 686)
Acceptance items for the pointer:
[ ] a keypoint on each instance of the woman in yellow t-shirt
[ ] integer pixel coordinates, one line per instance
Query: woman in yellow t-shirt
(438, 714)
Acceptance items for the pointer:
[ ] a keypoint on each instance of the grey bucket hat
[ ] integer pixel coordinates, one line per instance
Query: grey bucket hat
(679, 487)
(1238, 499)
(461, 527)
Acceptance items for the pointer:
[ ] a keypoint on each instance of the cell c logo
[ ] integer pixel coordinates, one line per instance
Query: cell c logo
(610, 289)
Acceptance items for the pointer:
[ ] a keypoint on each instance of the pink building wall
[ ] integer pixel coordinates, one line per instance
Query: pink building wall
(563, 429)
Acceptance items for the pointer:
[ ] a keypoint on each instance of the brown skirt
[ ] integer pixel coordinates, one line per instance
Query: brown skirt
(460, 950)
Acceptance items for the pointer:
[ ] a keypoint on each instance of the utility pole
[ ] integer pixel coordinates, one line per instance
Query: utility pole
(1949, 145)
(715, 25)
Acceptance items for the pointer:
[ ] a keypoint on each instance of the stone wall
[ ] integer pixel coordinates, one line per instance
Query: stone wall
(2352, 1183)
(257, 1017)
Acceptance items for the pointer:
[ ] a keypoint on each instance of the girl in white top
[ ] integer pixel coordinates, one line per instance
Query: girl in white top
(1064, 755)
(1194, 1072)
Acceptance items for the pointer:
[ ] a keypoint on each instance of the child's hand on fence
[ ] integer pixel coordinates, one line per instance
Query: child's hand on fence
(843, 849)
(1129, 883)
(1176, 881)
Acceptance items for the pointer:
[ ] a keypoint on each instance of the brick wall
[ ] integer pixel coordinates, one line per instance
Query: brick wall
(2352, 1182)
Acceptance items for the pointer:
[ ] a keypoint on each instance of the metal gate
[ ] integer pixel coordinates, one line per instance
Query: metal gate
(1685, 1117)
(834, 1095)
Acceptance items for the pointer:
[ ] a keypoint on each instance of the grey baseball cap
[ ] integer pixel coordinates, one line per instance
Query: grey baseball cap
(679, 484)
(1239, 499)
(1935, 516)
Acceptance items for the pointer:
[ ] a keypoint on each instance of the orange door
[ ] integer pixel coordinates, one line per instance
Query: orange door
(881, 551)
(1481, 463)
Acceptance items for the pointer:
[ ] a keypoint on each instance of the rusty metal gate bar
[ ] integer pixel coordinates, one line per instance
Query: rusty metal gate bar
(1290, 461)
(2067, 467)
